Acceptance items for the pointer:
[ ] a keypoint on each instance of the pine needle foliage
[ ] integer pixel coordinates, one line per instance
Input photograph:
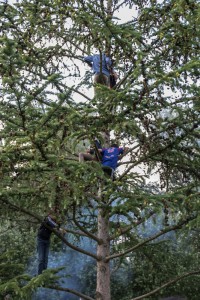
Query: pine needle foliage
(48, 113)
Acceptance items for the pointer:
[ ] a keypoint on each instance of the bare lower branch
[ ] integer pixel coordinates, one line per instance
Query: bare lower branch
(58, 288)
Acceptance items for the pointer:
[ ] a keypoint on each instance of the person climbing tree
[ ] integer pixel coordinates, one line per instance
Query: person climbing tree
(43, 238)
(100, 64)
(110, 157)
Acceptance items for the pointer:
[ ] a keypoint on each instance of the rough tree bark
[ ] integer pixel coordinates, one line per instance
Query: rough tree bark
(103, 250)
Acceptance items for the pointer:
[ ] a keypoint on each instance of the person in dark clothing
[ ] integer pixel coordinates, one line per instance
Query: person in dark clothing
(43, 240)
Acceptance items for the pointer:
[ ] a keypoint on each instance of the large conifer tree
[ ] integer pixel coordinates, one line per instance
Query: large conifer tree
(47, 110)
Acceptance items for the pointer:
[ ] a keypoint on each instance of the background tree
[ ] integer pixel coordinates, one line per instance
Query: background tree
(47, 110)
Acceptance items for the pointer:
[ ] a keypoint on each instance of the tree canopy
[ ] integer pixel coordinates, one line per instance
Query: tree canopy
(49, 113)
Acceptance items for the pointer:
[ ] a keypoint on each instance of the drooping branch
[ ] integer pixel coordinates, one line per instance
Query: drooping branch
(167, 284)
(145, 241)
(128, 228)
(82, 296)
(158, 151)
(87, 233)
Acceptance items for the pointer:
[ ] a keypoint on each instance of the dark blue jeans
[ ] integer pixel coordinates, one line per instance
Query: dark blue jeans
(43, 253)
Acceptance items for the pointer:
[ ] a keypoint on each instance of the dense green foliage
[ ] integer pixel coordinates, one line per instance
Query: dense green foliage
(157, 263)
(47, 111)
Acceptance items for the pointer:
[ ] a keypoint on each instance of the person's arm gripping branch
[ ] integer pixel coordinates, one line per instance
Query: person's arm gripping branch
(126, 149)
(101, 150)
(62, 230)
(108, 62)
(88, 60)
(123, 152)
(51, 222)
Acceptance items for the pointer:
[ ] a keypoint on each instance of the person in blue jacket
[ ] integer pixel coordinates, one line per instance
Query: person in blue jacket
(101, 64)
(110, 157)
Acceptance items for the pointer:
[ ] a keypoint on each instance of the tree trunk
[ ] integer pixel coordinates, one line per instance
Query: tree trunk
(103, 250)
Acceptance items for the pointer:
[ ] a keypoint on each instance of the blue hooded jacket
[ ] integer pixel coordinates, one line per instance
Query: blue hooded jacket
(95, 61)
(110, 156)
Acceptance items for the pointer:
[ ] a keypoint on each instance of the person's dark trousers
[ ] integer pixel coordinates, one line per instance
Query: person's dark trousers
(43, 253)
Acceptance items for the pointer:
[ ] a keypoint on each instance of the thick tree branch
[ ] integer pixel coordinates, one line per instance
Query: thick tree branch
(82, 296)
